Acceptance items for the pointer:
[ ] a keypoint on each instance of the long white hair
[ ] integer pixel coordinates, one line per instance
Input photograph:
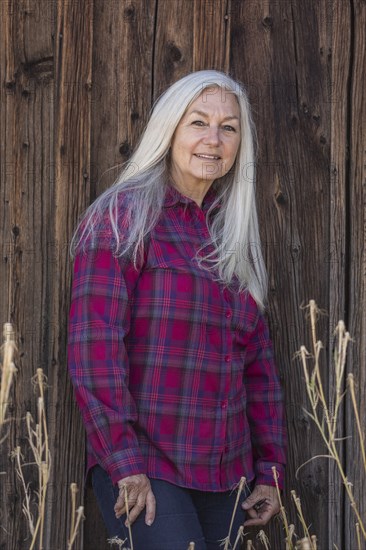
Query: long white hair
(233, 229)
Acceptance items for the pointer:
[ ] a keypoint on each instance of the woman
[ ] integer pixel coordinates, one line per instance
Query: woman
(169, 350)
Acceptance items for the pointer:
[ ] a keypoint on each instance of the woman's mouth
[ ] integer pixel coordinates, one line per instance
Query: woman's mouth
(204, 156)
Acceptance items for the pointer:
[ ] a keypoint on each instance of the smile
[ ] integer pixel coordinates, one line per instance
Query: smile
(207, 157)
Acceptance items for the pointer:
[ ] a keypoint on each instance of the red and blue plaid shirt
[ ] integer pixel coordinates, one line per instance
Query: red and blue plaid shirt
(173, 372)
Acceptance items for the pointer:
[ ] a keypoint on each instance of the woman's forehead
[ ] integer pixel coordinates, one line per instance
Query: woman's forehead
(213, 99)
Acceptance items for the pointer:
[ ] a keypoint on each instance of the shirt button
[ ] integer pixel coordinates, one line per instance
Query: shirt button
(224, 404)
(227, 358)
(228, 314)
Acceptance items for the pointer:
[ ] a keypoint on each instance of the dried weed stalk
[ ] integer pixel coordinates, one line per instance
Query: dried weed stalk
(324, 415)
(264, 539)
(239, 537)
(309, 540)
(38, 442)
(8, 371)
(226, 541)
(289, 529)
(128, 516)
(77, 516)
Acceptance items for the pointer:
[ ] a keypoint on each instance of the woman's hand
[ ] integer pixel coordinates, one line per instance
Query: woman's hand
(261, 505)
(139, 495)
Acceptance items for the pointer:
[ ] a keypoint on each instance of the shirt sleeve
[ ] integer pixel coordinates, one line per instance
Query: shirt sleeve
(98, 364)
(265, 410)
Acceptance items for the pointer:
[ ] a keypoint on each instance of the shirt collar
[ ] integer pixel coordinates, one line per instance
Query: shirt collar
(173, 196)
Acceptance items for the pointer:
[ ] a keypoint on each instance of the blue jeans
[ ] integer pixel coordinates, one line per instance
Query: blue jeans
(182, 516)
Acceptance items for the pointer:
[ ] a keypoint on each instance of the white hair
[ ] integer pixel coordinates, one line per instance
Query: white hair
(233, 229)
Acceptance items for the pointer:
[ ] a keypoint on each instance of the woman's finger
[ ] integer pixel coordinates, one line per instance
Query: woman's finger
(150, 508)
(136, 510)
(261, 519)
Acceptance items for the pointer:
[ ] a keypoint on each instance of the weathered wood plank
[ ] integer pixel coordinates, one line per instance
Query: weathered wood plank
(72, 101)
(122, 89)
(336, 56)
(26, 157)
(173, 43)
(275, 51)
(356, 238)
(211, 34)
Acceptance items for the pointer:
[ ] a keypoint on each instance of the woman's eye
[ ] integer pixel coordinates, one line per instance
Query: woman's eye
(229, 128)
(198, 123)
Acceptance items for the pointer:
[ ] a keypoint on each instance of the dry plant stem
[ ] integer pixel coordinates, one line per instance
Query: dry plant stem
(302, 519)
(340, 365)
(79, 514)
(191, 546)
(264, 539)
(41, 379)
(303, 544)
(288, 539)
(250, 545)
(351, 384)
(358, 536)
(79, 517)
(128, 517)
(26, 505)
(8, 369)
(38, 441)
(316, 351)
(315, 393)
(241, 485)
(73, 491)
(239, 537)
(291, 534)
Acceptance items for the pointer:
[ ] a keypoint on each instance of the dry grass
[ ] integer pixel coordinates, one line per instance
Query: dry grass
(8, 371)
(325, 415)
(34, 499)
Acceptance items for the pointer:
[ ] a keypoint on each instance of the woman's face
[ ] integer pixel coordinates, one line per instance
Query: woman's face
(207, 138)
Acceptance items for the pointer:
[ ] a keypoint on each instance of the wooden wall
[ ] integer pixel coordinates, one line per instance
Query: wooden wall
(78, 78)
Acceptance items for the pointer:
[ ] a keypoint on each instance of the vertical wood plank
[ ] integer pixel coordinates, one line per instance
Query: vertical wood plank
(26, 125)
(173, 43)
(122, 89)
(211, 33)
(356, 239)
(73, 82)
(275, 52)
(337, 54)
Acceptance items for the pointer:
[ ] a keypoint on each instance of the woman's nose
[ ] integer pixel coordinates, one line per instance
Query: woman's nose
(212, 136)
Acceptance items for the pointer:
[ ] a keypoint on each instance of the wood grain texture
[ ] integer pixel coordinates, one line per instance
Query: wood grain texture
(173, 39)
(337, 55)
(211, 33)
(356, 239)
(72, 102)
(26, 192)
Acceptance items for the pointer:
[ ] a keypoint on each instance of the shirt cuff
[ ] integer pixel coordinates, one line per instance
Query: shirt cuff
(124, 463)
(265, 476)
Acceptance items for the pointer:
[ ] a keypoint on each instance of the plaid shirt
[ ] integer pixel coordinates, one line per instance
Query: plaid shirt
(173, 373)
